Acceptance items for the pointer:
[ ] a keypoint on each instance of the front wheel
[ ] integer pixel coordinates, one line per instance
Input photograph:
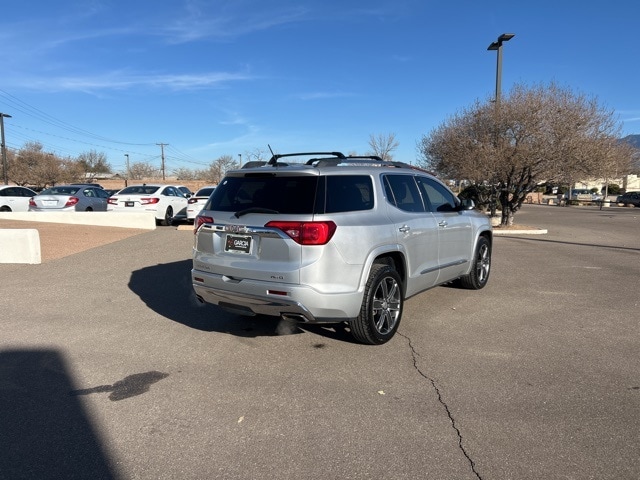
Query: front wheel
(381, 308)
(479, 275)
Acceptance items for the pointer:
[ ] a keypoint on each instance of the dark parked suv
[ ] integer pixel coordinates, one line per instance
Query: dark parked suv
(629, 198)
(335, 239)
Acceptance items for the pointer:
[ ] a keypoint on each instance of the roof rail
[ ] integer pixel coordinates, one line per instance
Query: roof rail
(274, 159)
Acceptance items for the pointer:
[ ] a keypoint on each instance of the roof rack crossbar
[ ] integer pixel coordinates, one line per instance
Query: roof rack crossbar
(274, 159)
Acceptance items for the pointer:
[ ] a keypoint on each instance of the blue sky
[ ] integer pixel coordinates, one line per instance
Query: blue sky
(228, 77)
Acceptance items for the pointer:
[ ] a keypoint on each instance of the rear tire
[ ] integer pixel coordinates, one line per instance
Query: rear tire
(381, 308)
(168, 216)
(479, 275)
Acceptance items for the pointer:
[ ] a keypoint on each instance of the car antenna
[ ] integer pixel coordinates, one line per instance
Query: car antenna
(274, 159)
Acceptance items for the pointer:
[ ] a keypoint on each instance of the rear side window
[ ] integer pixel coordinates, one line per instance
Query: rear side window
(282, 194)
(348, 193)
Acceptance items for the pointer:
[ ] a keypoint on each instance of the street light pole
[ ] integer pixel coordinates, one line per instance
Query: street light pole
(4, 148)
(497, 45)
(126, 180)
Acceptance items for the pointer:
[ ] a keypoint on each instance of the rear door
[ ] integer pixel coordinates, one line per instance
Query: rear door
(416, 230)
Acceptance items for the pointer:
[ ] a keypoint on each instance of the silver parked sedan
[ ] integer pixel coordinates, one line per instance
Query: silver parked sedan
(63, 198)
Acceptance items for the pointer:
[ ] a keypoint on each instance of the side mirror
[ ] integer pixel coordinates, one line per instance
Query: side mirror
(467, 204)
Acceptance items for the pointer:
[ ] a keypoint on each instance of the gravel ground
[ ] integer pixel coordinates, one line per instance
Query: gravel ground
(58, 240)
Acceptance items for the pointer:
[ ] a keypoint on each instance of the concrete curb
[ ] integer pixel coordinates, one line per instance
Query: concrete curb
(23, 245)
(537, 231)
(143, 220)
(20, 246)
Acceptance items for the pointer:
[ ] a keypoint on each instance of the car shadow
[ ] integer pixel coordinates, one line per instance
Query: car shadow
(167, 290)
(46, 432)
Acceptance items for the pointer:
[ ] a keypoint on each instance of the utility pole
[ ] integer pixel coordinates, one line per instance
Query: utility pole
(4, 148)
(162, 145)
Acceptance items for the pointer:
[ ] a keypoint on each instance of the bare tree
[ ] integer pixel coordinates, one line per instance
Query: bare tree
(544, 133)
(185, 174)
(93, 163)
(383, 145)
(257, 155)
(218, 168)
(140, 170)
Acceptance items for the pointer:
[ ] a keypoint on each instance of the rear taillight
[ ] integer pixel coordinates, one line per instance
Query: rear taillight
(149, 201)
(199, 221)
(306, 233)
(71, 202)
(112, 201)
(32, 202)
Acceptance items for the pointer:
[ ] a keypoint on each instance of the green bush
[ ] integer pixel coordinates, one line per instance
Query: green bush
(614, 189)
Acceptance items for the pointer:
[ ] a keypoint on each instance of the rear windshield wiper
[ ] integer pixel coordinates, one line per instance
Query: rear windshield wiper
(254, 210)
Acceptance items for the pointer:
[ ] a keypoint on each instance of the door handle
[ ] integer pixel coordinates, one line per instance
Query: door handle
(404, 228)
(442, 223)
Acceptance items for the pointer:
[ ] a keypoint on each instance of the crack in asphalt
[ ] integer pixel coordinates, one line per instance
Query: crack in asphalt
(415, 356)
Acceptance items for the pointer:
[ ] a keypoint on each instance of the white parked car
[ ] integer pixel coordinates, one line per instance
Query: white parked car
(14, 198)
(165, 201)
(197, 201)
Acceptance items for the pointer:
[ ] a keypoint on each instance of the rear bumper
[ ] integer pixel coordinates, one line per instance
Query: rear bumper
(295, 302)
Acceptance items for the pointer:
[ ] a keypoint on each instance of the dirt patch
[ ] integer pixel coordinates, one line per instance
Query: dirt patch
(58, 240)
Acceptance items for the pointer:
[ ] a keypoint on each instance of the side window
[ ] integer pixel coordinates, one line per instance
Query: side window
(438, 196)
(88, 192)
(170, 191)
(102, 194)
(349, 193)
(402, 192)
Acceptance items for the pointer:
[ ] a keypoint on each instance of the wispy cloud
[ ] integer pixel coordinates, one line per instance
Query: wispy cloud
(321, 95)
(197, 23)
(119, 80)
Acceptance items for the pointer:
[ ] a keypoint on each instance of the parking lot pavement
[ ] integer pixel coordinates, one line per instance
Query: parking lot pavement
(110, 369)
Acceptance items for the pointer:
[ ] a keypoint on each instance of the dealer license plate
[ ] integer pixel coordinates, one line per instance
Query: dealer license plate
(128, 204)
(238, 244)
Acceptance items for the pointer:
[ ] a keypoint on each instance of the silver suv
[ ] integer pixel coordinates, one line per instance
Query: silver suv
(335, 239)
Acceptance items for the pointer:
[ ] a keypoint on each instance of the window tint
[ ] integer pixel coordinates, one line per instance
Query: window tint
(204, 192)
(438, 196)
(138, 190)
(348, 193)
(402, 192)
(60, 191)
(283, 194)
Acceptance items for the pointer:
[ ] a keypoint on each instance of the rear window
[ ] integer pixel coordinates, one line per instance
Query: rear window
(139, 190)
(306, 194)
(204, 192)
(60, 191)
